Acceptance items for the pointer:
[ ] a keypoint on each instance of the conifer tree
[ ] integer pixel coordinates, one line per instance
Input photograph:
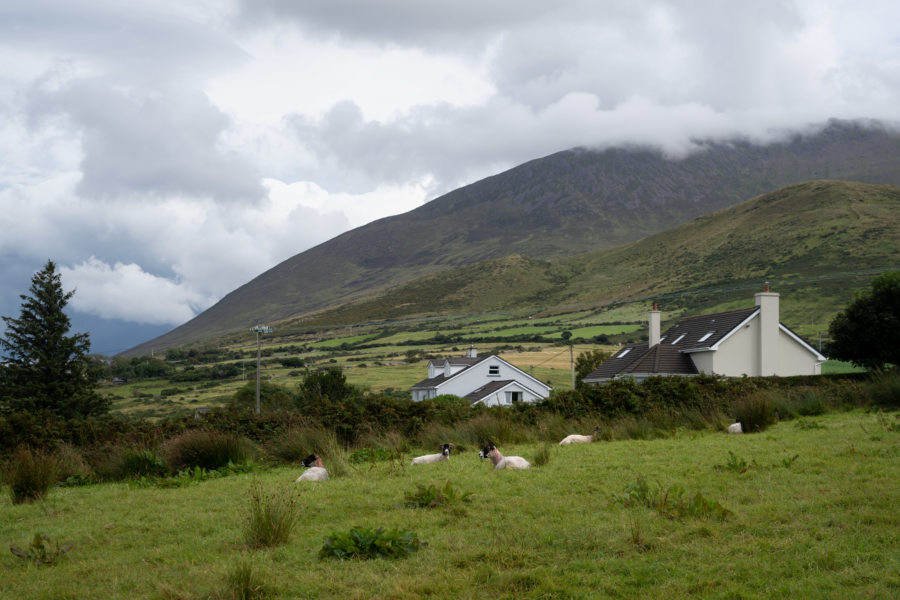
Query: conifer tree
(44, 368)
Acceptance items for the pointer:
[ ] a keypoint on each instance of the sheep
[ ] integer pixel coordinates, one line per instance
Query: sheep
(580, 439)
(433, 458)
(735, 428)
(500, 461)
(315, 471)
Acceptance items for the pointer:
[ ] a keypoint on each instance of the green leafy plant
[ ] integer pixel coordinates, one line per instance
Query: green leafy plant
(271, 516)
(671, 503)
(370, 543)
(432, 497)
(735, 463)
(42, 550)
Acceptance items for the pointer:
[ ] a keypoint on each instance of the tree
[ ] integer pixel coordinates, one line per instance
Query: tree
(44, 368)
(586, 362)
(867, 332)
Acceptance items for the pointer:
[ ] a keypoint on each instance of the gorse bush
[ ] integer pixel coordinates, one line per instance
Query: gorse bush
(370, 543)
(30, 474)
(271, 516)
(208, 449)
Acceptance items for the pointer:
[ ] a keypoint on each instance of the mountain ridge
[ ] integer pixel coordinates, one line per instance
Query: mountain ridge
(568, 203)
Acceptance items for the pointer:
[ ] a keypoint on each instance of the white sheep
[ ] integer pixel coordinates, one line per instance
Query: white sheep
(500, 461)
(315, 471)
(433, 458)
(580, 439)
(735, 428)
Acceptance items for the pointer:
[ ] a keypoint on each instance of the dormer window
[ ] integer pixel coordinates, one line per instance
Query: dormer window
(494, 370)
(706, 337)
(678, 339)
(624, 352)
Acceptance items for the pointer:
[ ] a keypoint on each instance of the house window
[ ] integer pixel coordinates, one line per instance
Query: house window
(494, 370)
(678, 339)
(514, 397)
(624, 352)
(706, 337)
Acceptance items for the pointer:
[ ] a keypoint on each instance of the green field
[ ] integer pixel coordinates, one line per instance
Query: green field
(812, 514)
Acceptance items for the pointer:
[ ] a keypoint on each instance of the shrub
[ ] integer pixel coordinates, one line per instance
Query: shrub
(884, 389)
(30, 475)
(755, 412)
(809, 403)
(207, 449)
(140, 463)
(271, 517)
(369, 543)
(71, 466)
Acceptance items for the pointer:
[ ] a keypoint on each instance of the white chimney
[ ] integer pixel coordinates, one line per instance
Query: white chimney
(653, 338)
(472, 352)
(768, 331)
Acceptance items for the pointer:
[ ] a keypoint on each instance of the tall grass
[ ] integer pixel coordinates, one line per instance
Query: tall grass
(30, 474)
(207, 449)
(884, 389)
(271, 516)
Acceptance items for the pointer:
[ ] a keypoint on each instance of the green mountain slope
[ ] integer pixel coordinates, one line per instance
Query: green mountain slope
(561, 205)
(819, 240)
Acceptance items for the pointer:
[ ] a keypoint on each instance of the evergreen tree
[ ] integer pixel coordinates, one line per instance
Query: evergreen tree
(867, 332)
(43, 367)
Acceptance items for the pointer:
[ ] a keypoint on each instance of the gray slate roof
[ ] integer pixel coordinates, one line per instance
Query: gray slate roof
(486, 390)
(672, 355)
(439, 379)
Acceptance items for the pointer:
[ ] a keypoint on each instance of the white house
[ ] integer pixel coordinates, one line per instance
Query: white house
(749, 341)
(488, 380)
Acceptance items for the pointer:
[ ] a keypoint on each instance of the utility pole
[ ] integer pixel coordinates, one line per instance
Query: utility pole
(258, 329)
(572, 364)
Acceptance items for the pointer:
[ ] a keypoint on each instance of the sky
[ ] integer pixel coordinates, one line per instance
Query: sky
(163, 153)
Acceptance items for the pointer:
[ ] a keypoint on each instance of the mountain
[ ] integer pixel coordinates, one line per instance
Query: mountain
(564, 204)
(819, 240)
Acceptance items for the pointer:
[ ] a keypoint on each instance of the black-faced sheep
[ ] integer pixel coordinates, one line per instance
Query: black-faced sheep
(580, 439)
(502, 462)
(433, 458)
(315, 471)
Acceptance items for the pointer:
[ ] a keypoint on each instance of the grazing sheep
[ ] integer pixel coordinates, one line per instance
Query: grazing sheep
(500, 461)
(315, 471)
(433, 458)
(580, 439)
(735, 428)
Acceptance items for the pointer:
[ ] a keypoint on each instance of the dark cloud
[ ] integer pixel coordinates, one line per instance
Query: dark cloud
(150, 142)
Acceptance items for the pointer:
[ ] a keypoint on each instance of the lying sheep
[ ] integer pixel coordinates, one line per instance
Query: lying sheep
(433, 458)
(315, 471)
(735, 428)
(580, 439)
(500, 461)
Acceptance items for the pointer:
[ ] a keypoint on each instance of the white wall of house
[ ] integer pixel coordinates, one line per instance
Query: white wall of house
(507, 396)
(490, 369)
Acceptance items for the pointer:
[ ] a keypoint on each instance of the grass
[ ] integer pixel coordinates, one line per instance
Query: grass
(823, 528)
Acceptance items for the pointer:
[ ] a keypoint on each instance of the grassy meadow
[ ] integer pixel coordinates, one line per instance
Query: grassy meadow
(812, 513)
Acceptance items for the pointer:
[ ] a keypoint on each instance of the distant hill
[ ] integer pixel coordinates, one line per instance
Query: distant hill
(821, 240)
(561, 205)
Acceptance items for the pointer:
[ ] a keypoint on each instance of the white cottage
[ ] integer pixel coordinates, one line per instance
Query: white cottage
(487, 380)
(748, 341)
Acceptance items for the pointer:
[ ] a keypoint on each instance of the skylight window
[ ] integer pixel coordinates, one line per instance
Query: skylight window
(678, 339)
(706, 337)
(624, 352)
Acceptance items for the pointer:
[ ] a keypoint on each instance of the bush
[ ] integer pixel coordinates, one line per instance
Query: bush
(542, 455)
(368, 543)
(431, 496)
(30, 475)
(245, 583)
(755, 412)
(271, 517)
(71, 466)
(206, 449)
(884, 389)
(140, 463)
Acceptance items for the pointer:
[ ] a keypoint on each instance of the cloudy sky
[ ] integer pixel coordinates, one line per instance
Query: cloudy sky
(163, 153)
